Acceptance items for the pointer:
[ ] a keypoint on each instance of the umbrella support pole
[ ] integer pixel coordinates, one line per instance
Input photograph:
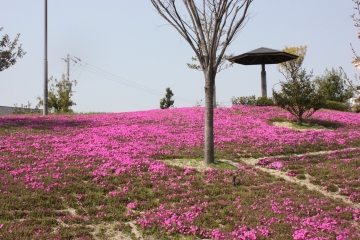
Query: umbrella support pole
(263, 81)
(263, 56)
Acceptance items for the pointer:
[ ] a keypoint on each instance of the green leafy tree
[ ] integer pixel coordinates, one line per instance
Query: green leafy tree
(8, 51)
(338, 106)
(167, 102)
(332, 86)
(299, 96)
(59, 95)
(292, 67)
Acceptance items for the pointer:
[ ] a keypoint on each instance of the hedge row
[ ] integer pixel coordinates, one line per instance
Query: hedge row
(265, 101)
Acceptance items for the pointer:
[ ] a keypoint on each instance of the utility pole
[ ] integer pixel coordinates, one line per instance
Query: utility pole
(68, 84)
(67, 60)
(45, 110)
(68, 67)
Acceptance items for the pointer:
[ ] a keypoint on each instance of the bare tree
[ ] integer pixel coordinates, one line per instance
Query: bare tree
(222, 66)
(356, 60)
(209, 28)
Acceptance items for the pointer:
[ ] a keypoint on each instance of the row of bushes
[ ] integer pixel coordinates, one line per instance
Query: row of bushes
(252, 101)
(265, 101)
(344, 107)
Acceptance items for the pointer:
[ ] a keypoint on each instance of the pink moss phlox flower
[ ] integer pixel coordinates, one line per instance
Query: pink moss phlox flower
(300, 234)
(292, 173)
(188, 170)
(113, 193)
(243, 233)
(263, 231)
(345, 191)
(216, 234)
(276, 165)
(354, 196)
(131, 205)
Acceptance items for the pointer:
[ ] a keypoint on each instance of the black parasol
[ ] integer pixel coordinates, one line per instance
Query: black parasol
(263, 56)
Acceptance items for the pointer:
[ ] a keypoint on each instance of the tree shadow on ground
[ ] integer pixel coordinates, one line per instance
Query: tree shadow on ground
(310, 123)
(40, 123)
(325, 123)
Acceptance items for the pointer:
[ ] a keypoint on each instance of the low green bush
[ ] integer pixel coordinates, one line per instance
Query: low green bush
(247, 100)
(264, 101)
(338, 106)
(252, 101)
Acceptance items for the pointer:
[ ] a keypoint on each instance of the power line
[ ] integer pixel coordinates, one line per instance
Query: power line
(102, 73)
(74, 70)
(122, 80)
(135, 86)
(80, 73)
(114, 79)
(68, 59)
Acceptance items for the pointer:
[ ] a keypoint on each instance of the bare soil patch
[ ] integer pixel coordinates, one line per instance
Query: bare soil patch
(304, 127)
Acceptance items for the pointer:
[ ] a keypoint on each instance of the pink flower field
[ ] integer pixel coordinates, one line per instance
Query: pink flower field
(98, 176)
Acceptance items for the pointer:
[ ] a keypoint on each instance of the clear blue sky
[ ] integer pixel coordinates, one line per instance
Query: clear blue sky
(124, 39)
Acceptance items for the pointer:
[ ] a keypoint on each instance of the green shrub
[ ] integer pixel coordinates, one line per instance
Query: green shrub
(252, 101)
(338, 106)
(26, 109)
(264, 101)
(59, 95)
(299, 95)
(167, 101)
(332, 86)
(247, 100)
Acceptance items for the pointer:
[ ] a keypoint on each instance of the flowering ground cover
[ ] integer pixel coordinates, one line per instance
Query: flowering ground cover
(77, 176)
(337, 171)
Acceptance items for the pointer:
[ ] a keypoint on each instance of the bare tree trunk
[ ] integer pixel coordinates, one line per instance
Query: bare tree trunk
(209, 117)
(215, 105)
(299, 121)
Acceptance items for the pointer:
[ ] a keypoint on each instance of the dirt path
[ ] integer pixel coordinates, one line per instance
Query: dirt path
(299, 155)
(200, 166)
(302, 182)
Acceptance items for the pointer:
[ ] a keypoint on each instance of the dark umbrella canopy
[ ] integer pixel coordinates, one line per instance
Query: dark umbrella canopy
(262, 56)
